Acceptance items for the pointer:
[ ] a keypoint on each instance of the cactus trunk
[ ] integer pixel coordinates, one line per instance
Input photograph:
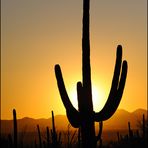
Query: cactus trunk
(87, 127)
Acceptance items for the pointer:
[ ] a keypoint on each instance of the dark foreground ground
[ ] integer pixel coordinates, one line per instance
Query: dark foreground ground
(110, 139)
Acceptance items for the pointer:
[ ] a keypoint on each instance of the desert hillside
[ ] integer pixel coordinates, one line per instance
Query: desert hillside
(118, 121)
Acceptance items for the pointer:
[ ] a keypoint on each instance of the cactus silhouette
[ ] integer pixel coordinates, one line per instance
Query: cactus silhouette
(85, 117)
(39, 134)
(53, 132)
(48, 137)
(56, 138)
(143, 126)
(15, 128)
(130, 130)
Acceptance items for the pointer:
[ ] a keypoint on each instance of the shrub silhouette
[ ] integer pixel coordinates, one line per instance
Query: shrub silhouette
(85, 116)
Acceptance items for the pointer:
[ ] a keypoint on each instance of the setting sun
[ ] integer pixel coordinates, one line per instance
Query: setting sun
(97, 95)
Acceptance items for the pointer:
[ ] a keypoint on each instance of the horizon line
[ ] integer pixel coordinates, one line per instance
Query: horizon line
(40, 118)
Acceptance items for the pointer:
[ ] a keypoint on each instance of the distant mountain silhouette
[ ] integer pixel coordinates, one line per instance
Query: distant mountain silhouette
(118, 121)
(122, 117)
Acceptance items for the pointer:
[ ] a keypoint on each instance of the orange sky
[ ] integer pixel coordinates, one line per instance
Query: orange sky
(36, 35)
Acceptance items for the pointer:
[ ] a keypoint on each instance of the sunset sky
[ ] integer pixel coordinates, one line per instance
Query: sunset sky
(37, 34)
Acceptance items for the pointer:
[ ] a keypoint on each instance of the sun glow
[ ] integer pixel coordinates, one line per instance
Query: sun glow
(97, 96)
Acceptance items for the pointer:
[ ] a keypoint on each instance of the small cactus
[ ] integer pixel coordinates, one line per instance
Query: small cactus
(143, 125)
(130, 130)
(56, 139)
(39, 134)
(48, 137)
(85, 116)
(15, 129)
(53, 132)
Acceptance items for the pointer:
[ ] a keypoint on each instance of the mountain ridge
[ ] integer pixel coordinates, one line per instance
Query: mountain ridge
(118, 121)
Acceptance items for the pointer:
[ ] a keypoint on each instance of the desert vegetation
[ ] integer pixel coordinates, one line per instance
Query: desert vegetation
(83, 119)
(134, 138)
(51, 138)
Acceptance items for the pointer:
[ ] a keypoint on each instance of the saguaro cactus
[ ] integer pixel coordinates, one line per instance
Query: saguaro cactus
(85, 116)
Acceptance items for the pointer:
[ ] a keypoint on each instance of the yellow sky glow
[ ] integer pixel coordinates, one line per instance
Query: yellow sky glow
(37, 35)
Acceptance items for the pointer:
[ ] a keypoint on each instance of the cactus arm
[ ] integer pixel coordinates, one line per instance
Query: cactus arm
(116, 70)
(72, 113)
(122, 79)
(116, 89)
